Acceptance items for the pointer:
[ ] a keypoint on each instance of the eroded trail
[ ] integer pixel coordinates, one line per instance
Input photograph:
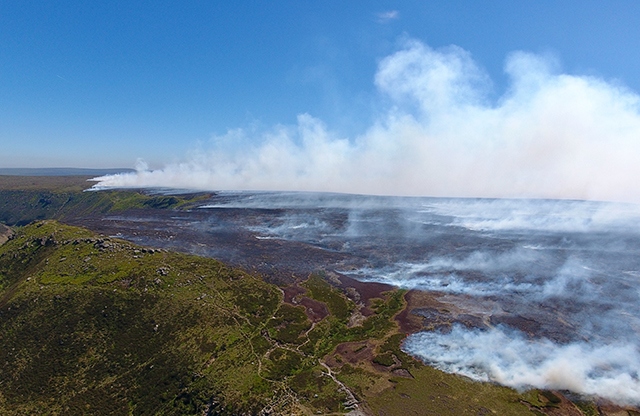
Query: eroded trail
(351, 402)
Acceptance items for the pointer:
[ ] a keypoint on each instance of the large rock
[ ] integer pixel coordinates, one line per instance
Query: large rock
(5, 233)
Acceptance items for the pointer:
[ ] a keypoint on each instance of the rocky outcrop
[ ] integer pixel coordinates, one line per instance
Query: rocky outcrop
(5, 233)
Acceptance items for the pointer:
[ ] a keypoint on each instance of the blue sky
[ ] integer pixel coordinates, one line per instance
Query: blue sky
(97, 84)
(101, 84)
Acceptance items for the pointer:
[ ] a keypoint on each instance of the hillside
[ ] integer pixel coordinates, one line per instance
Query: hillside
(96, 325)
(91, 324)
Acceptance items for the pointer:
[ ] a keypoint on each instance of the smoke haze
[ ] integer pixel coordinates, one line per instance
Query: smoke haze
(532, 293)
(507, 357)
(557, 282)
(550, 135)
(564, 272)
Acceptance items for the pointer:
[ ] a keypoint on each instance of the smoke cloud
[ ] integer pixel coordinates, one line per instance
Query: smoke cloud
(550, 135)
(507, 357)
(555, 283)
(531, 293)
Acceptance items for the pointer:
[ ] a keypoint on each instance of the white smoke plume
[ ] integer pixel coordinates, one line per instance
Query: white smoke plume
(549, 289)
(507, 357)
(551, 135)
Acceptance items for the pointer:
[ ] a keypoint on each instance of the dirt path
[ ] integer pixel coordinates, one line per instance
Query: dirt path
(351, 402)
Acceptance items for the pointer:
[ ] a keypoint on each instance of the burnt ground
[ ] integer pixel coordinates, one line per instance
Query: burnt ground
(223, 237)
(223, 234)
(233, 236)
(296, 295)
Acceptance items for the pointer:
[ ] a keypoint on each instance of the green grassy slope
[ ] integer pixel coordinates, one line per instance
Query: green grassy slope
(96, 325)
(100, 326)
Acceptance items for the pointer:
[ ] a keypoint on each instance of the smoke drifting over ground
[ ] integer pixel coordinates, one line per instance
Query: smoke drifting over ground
(547, 291)
(509, 358)
(555, 283)
(549, 135)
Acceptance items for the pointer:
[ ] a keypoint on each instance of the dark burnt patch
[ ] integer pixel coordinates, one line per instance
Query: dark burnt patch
(528, 326)
(365, 290)
(292, 293)
(295, 295)
(355, 352)
(316, 311)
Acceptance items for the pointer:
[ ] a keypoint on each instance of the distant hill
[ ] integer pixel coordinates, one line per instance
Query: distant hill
(24, 199)
(61, 171)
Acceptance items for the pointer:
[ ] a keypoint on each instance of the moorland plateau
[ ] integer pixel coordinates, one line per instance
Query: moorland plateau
(91, 323)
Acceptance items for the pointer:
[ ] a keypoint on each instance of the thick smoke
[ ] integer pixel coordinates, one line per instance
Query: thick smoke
(536, 293)
(555, 284)
(550, 135)
(507, 357)
(571, 267)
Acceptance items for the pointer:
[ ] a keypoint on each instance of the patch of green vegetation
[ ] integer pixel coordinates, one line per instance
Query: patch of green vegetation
(256, 306)
(358, 379)
(282, 362)
(331, 331)
(550, 399)
(385, 359)
(320, 290)
(392, 346)
(379, 324)
(533, 398)
(163, 334)
(431, 392)
(314, 387)
(289, 324)
(587, 408)
(541, 398)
